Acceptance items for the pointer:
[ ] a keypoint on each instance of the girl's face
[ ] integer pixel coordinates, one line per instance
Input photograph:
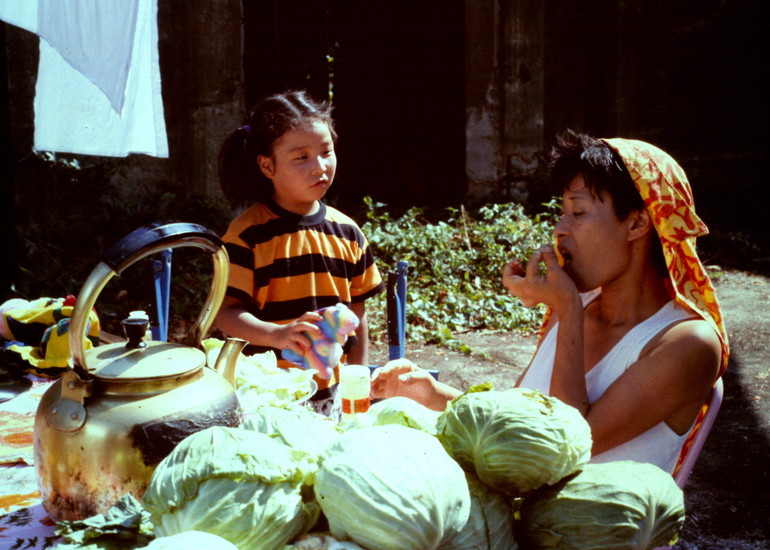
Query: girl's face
(301, 167)
(593, 242)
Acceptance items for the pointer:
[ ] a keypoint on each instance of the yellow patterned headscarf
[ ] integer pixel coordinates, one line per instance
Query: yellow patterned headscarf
(668, 198)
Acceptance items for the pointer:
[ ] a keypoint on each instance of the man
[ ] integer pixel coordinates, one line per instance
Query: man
(634, 338)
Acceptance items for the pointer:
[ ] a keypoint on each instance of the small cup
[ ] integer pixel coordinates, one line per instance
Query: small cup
(355, 386)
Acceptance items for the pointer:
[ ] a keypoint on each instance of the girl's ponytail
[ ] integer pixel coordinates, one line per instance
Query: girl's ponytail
(240, 178)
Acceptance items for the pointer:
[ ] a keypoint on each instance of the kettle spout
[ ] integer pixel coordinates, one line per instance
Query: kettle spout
(228, 358)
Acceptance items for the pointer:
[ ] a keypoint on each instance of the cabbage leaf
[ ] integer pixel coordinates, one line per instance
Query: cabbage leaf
(260, 381)
(189, 539)
(516, 440)
(490, 524)
(397, 410)
(296, 426)
(392, 488)
(619, 505)
(244, 486)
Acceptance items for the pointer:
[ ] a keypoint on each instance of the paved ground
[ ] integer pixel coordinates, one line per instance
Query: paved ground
(728, 495)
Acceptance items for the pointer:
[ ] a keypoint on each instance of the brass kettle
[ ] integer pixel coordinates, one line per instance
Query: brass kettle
(102, 428)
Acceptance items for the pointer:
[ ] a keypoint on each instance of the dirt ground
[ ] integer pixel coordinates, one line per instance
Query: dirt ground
(728, 494)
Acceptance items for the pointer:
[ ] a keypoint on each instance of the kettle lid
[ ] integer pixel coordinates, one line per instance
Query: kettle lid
(138, 359)
(156, 360)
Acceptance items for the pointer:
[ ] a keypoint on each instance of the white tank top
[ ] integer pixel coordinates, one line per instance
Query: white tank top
(659, 445)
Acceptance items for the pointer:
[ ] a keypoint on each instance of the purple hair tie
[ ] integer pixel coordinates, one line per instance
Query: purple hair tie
(246, 128)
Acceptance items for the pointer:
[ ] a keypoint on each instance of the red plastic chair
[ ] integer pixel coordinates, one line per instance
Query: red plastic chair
(692, 452)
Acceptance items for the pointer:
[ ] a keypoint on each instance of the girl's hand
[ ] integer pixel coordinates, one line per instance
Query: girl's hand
(402, 378)
(553, 288)
(292, 336)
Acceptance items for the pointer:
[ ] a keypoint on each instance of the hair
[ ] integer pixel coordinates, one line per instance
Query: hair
(603, 171)
(240, 177)
(604, 174)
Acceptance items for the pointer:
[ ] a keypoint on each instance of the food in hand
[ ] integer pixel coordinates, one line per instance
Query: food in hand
(559, 256)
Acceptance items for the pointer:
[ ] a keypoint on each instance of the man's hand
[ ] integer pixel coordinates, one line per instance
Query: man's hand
(405, 379)
(553, 288)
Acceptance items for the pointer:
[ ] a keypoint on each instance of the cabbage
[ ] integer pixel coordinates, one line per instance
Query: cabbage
(189, 539)
(397, 410)
(260, 381)
(297, 427)
(618, 505)
(490, 524)
(516, 440)
(321, 541)
(392, 488)
(243, 486)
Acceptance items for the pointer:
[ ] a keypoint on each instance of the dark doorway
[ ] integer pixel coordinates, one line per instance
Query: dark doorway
(395, 70)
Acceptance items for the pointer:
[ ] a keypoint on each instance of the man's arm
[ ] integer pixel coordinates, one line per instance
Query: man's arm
(669, 383)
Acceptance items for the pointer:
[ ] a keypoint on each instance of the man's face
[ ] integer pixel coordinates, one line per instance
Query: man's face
(591, 239)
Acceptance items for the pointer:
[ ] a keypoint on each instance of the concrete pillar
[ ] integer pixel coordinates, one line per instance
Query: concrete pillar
(201, 64)
(504, 95)
(485, 165)
(523, 80)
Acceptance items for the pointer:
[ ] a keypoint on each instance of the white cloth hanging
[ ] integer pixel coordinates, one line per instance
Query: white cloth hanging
(103, 52)
(98, 87)
(20, 13)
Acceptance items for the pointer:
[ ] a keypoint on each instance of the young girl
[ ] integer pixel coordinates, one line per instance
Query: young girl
(291, 254)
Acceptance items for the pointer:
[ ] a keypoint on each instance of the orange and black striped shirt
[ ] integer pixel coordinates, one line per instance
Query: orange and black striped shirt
(283, 264)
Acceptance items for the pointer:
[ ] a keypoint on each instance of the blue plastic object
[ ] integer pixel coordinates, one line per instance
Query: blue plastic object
(396, 304)
(396, 313)
(162, 280)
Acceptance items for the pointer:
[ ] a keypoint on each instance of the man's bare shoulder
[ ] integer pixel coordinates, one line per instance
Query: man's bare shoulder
(692, 341)
(696, 332)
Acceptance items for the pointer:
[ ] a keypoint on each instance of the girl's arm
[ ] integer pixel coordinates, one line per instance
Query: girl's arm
(235, 320)
(359, 353)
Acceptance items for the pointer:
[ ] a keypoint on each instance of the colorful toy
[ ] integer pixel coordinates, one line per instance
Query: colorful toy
(35, 334)
(10, 305)
(337, 323)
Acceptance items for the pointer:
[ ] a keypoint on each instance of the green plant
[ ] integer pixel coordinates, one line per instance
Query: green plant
(455, 267)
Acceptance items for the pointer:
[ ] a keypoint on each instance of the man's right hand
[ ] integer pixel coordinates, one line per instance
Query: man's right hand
(402, 378)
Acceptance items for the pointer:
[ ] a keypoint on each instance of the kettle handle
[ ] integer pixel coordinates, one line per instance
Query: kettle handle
(139, 244)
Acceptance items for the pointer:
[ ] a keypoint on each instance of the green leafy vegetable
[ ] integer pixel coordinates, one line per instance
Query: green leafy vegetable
(125, 525)
(515, 440)
(398, 410)
(296, 426)
(490, 524)
(259, 381)
(244, 486)
(619, 505)
(392, 488)
(190, 539)
(321, 541)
